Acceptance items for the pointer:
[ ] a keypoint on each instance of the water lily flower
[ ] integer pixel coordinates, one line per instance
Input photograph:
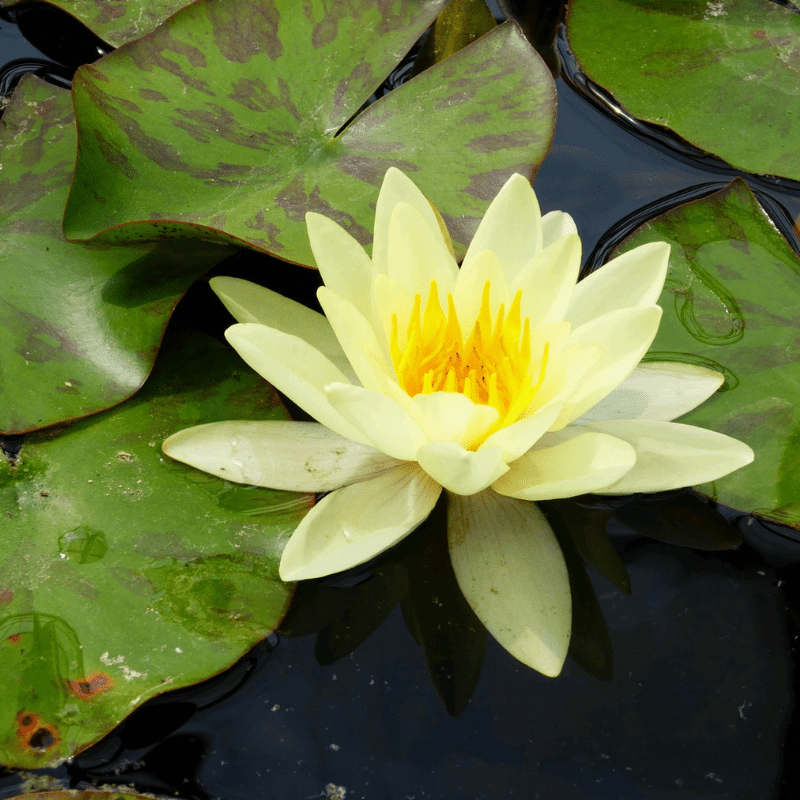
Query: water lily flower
(503, 382)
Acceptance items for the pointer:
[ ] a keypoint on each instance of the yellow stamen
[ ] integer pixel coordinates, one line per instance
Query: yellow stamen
(492, 366)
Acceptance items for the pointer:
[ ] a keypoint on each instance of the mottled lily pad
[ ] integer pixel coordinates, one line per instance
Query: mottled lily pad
(116, 21)
(123, 573)
(732, 302)
(226, 122)
(79, 326)
(66, 794)
(724, 75)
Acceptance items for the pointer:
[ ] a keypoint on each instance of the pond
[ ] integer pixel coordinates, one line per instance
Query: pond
(702, 699)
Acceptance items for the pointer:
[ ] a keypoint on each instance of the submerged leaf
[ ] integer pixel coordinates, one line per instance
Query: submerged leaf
(80, 325)
(226, 123)
(122, 572)
(723, 75)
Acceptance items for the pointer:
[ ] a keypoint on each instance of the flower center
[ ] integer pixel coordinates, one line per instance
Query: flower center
(491, 366)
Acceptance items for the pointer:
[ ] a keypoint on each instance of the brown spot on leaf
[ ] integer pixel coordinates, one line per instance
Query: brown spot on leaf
(91, 685)
(243, 30)
(34, 734)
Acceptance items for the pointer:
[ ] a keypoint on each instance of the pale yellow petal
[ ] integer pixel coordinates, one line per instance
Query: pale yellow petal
(358, 522)
(417, 255)
(548, 281)
(634, 279)
(556, 224)
(659, 390)
(483, 268)
(670, 455)
(343, 263)
(459, 470)
(295, 368)
(296, 456)
(510, 569)
(520, 436)
(451, 416)
(391, 297)
(511, 227)
(370, 361)
(623, 337)
(249, 302)
(399, 188)
(379, 419)
(568, 463)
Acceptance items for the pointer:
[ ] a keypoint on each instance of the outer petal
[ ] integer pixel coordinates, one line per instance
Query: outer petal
(343, 263)
(511, 227)
(249, 302)
(670, 455)
(461, 471)
(295, 368)
(417, 254)
(398, 188)
(356, 523)
(511, 570)
(623, 337)
(450, 416)
(548, 280)
(379, 419)
(566, 464)
(297, 456)
(634, 279)
(556, 224)
(660, 390)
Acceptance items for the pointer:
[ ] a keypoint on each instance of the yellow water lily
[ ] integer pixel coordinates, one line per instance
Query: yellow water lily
(503, 382)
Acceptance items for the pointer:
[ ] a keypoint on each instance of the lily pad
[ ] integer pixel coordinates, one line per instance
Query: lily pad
(66, 794)
(723, 75)
(123, 573)
(80, 325)
(226, 123)
(732, 302)
(116, 21)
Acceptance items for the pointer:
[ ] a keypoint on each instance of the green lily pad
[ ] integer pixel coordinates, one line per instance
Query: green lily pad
(116, 21)
(80, 326)
(66, 794)
(732, 302)
(225, 123)
(723, 75)
(123, 573)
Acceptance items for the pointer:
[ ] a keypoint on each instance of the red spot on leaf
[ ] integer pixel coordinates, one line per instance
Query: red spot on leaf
(759, 34)
(14, 638)
(93, 684)
(6, 596)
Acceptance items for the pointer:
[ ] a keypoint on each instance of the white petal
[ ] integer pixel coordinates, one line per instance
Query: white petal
(356, 523)
(371, 363)
(459, 470)
(343, 263)
(670, 455)
(660, 390)
(556, 224)
(450, 416)
(295, 368)
(510, 569)
(520, 436)
(634, 279)
(548, 281)
(483, 268)
(249, 302)
(379, 419)
(417, 254)
(398, 188)
(565, 464)
(296, 456)
(511, 227)
(623, 337)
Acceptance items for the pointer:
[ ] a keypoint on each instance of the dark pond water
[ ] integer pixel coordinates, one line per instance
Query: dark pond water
(702, 702)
